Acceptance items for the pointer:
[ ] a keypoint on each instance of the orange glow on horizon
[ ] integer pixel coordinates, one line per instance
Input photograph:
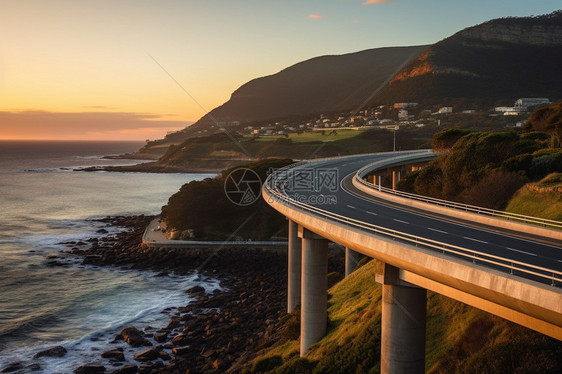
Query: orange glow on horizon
(43, 125)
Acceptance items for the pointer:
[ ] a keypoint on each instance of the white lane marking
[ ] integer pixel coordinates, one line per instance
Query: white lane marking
(527, 253)
(476, 240)
(442, 221)
(398, 220)
(374, 214)
(441, 231)
(351, 206)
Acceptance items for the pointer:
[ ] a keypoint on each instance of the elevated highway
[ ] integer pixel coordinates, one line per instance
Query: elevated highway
(508, 267)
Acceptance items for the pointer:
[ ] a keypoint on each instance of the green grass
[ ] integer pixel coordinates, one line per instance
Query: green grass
(459, 338)
(315, 136)
(545, 204)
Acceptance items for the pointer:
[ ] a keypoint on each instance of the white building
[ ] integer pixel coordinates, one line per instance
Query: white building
(503, 109)
(404, 105)
(523, 104)
(446, 109)
(402, 115)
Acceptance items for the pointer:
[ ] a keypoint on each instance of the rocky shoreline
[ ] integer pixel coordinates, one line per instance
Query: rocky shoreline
(217, 332)
(152, 167)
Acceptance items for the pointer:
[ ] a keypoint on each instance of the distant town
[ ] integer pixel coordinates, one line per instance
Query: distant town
(381, 117)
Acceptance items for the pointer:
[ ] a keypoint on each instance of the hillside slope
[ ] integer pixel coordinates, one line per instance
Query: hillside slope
(326, 83)
(460, 339)
(494, 62)
(542, 199)
(321, 84)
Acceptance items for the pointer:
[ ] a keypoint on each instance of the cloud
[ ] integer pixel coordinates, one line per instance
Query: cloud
(316, 16)
(85, 125)
(369, 2)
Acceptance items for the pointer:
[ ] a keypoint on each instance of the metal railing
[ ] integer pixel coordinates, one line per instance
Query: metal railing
(275, 187)
(360, 175)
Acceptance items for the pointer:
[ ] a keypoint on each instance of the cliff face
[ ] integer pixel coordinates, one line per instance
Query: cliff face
(498, 60)
(538, 35)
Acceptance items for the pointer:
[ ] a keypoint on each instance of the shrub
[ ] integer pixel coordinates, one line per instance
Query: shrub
(291, 329)
(429, 182)
(267, 364)
(446, 138)
(494, 190)
(545, 164)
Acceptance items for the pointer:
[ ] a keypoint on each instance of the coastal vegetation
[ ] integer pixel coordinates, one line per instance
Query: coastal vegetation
(487, 168)
(460, 339)
(542, 199)
(221, 151)
(202, 210)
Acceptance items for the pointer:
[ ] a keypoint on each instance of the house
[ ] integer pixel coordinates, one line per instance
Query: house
(404, 105)
(523, 105)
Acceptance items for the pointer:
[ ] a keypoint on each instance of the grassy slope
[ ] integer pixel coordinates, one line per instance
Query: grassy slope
(221, 151)
(545, 204)
(459, 339)
(329, 135)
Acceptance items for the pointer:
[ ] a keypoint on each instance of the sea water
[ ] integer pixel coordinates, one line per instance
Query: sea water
(44, 203)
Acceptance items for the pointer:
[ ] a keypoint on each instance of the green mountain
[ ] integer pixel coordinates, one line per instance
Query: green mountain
(498, 61)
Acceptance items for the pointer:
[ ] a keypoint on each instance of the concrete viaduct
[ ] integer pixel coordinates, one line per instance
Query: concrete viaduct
(505, 264)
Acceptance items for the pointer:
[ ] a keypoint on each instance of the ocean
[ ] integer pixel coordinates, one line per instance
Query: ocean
(44, 203)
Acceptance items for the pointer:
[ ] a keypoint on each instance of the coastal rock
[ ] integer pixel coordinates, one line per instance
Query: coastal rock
(90, 369)
(132, 336)
(56, 263)
(196, 291)
(174, 323)
(57, 351)
(129, 369)
(12, 367)
(219, 329)
(92, 260)
(180, 351)
(179, 339)
(208, 353)
(148, 355)
(160, 338)
(219, 365)
(115, 354)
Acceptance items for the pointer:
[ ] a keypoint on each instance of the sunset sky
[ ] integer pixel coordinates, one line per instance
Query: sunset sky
(77, 69)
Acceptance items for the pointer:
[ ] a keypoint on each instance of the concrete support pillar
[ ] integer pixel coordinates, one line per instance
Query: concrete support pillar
(294, 268)
(314, 298)
(380, 182)
(351, 260)
(374, 179)
(394, 181)
(403, 323)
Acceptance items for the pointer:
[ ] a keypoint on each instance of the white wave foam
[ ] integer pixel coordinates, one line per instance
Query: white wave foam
(143, 310)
